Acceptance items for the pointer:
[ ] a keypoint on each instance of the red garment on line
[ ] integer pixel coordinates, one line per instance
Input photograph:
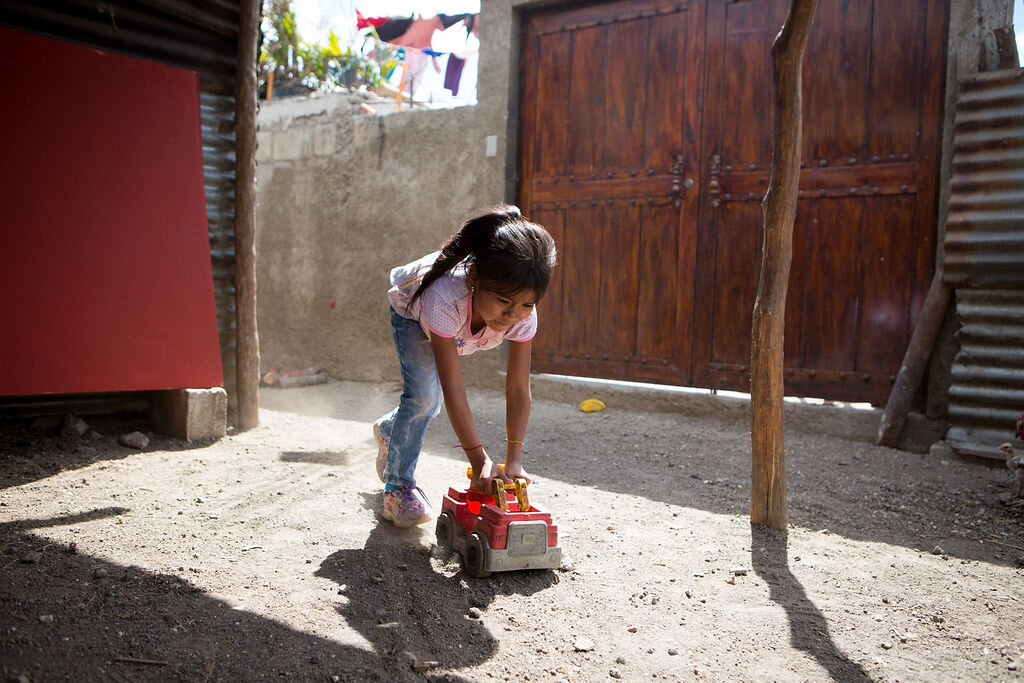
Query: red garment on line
(363, 22)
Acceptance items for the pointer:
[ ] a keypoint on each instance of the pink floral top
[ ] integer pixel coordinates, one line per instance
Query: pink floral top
(446, 307)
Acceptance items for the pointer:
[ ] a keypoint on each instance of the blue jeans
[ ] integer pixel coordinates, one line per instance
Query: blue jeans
(405, 426)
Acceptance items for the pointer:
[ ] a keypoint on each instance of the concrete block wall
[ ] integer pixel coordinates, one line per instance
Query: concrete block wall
(343, 196)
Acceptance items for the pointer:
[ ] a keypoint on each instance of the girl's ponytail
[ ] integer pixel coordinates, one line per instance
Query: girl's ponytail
(478, 241)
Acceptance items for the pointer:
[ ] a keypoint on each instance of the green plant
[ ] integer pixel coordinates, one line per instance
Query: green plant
(298, 66)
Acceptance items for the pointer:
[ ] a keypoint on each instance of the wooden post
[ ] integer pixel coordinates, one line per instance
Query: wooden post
(915, 360)
(778, 213)
(247, 351)
(1006, 47)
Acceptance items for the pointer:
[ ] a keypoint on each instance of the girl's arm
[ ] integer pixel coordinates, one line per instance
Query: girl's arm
(449, 372)
(517, 406)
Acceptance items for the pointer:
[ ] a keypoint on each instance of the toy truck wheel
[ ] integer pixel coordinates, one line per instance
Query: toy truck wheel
(476, 555)
(445, 531)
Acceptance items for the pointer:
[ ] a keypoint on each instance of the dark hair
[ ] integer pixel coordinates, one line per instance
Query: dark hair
(509, 253)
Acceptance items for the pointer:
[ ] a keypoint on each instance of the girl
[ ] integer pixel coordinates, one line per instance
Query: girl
(479, 290)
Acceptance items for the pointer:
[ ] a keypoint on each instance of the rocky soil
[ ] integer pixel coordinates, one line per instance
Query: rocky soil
(260, 556)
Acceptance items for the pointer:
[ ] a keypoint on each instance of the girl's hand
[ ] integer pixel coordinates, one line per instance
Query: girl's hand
(514, 470)
(484, 473)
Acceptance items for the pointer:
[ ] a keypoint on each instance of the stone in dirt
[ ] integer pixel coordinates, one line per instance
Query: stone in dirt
(584, 645)
(134, 440)
(74, 426)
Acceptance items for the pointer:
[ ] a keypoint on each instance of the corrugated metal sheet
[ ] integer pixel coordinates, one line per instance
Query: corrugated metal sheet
(201, 35)
(218, 121)
(984, 260)
(985, 228)
(987, 392)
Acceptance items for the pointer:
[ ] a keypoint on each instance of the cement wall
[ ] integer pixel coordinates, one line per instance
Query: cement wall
(344, 195)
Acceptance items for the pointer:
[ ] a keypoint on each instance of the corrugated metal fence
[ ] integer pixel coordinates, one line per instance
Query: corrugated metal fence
(984, 259)
(201, 35)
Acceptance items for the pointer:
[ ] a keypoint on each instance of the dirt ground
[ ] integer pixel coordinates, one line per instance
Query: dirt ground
(260, 556)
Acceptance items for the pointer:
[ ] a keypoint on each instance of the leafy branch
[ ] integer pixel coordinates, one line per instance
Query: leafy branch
(298, 67)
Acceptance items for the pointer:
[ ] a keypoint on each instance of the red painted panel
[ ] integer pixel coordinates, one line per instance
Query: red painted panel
(106, 276)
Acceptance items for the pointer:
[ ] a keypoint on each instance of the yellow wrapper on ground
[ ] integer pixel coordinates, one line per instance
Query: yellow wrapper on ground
(592, 405)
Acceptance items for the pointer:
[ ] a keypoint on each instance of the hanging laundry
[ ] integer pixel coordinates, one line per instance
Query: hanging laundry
(453, 74)
(393, 28)
(416, 63)
(363, 22)
(449, 20)
(418, 35)
(455, 37)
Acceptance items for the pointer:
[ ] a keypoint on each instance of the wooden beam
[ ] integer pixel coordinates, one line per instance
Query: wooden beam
(1006, 47)
(247, 351)
(778, 214)
(915, 360)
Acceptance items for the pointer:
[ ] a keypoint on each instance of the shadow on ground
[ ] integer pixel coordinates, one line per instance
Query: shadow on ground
(808, 627)
(29, 452)
(123, 623)
(394, 598)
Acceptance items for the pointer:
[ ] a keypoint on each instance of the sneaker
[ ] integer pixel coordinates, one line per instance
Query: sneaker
(406, 506)
(382, 449)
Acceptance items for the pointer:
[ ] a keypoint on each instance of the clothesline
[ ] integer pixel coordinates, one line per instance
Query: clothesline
(416, 34)
(389, 29)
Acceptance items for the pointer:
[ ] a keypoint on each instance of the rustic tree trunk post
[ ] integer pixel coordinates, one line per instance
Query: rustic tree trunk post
(247, 351)
(778, 213)
(915, 360)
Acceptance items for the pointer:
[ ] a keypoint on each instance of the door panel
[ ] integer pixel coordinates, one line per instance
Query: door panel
(830, 301)
(863, 238)
(741, 80)
(551, 58)
(733, 308)
(604, 155)
(582, 242)
(617, 311)
(626, 98)
(837, 80)
(586, 98)
(645, 146)
(890, 220)
(656, 307)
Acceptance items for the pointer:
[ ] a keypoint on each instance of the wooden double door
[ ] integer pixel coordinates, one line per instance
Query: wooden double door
(645, 148)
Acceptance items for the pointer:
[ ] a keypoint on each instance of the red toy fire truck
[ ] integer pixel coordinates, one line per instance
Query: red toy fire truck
(498, 532)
